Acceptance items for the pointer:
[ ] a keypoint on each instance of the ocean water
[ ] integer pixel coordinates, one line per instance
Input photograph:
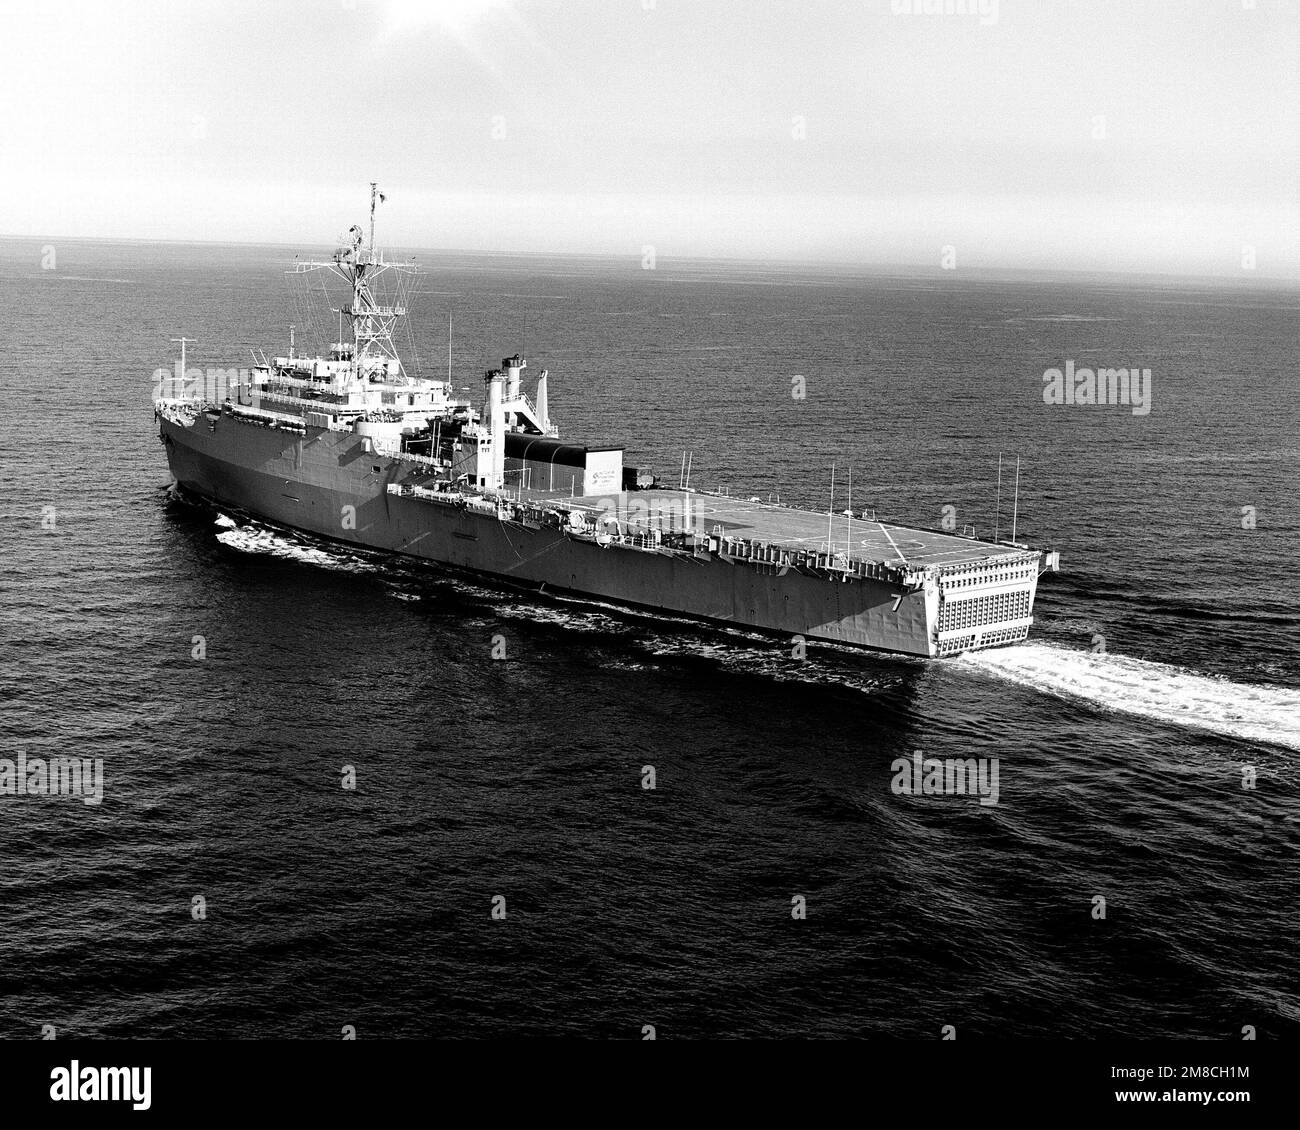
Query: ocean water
(1162, 673)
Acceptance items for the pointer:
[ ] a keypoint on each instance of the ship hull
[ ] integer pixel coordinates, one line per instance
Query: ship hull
(329, 483)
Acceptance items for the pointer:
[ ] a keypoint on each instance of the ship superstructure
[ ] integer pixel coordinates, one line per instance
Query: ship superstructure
(352, 447)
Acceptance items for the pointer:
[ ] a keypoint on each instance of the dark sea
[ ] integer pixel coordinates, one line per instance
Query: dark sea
(1160, 682)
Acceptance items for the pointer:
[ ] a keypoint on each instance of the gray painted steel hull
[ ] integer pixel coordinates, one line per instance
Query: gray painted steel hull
(307, 482)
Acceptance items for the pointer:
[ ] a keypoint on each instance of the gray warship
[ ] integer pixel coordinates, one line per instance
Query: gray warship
(351, 447)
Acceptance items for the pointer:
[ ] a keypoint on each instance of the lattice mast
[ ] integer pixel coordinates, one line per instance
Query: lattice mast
(359, 264)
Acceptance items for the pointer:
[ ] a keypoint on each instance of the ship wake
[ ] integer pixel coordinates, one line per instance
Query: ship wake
(258, 539)
(1159, 691)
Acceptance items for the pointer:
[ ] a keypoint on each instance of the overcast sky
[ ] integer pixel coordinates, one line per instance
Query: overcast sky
(1156, 135)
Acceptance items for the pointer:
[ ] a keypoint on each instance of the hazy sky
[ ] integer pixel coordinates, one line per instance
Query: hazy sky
(783, 128)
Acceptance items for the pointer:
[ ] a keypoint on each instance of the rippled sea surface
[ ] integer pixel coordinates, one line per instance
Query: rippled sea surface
(1160, 678)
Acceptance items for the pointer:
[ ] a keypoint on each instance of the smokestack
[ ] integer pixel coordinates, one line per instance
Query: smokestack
(497, 425)
(513, 366)
(543, 412)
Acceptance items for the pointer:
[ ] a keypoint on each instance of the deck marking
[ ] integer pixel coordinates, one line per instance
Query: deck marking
(892, 542)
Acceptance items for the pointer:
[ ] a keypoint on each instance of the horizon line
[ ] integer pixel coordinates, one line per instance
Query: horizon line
(1241, 276)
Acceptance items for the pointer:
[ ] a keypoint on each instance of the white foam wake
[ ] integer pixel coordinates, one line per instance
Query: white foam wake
(1159, 691)
(253, 539)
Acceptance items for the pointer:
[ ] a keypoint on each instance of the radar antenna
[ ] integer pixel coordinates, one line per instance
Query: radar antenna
(372, 321)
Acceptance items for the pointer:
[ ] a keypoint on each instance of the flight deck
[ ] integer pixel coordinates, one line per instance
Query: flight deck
(861, 539)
